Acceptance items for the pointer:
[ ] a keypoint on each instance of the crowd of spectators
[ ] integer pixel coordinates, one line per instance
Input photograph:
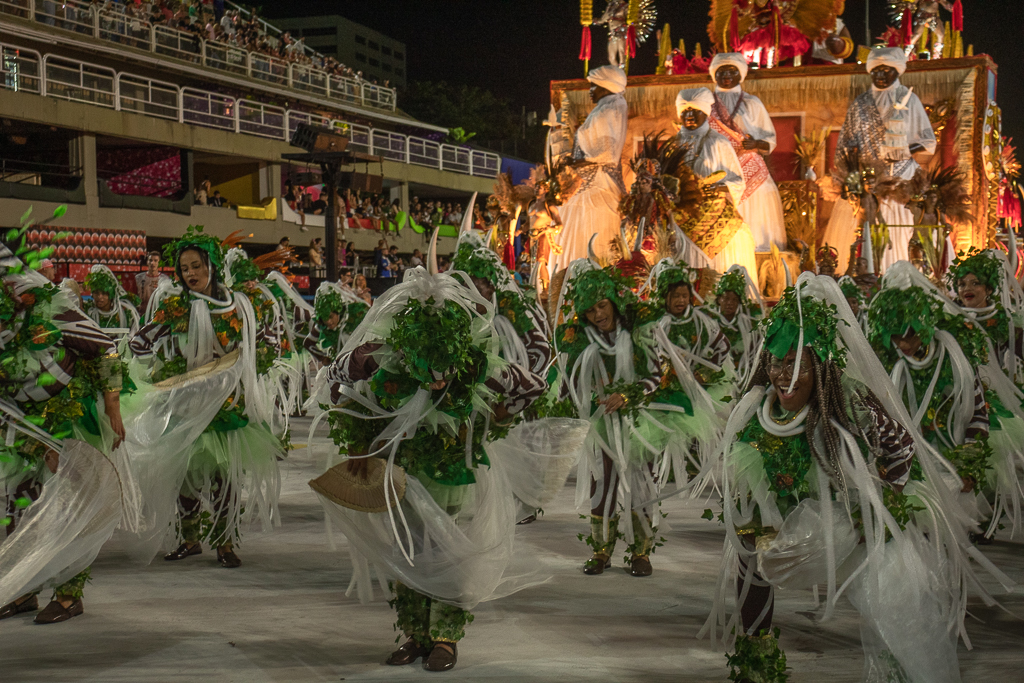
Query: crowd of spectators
(205, 195)
(122, 21)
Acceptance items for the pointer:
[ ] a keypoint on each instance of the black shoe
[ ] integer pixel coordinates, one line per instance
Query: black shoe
(408, 653)
(13, 608)
(596, 565)
(442, 658)
(227, 558)
(640, 566)
(54, 613)
(527, 520)
(183, 551)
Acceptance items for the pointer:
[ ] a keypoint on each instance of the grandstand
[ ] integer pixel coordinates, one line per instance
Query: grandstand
(123, 118)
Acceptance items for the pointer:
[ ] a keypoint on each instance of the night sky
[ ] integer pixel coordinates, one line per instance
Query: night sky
(516, 48)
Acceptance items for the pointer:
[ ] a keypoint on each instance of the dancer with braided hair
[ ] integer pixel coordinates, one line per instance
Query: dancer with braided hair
(738, 308)
(819, 486)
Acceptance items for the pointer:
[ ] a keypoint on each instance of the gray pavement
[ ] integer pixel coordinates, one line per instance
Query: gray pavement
(283, 615)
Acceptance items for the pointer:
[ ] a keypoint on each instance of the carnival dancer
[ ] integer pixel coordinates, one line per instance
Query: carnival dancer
(710, 153)
(337, 312)
(887, 125)
(521, 327)
(743, 119)
(112, 307)
(593, 209)
(420, 384)
(991, 296)
(856, 299)
(201, 432)
(613, 374)
(933, 353)
(738, 308)
(60, 385)
(819, 484)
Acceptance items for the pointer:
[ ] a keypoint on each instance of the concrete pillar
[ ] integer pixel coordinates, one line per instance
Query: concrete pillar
(82, 155)
(401, 193)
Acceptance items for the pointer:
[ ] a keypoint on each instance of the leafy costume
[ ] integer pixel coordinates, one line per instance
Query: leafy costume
(424, 331)
(832, 486)
(741, 332)
(941, 386)
(55, 367)
(207, 435)
(625, 451)
(124, 307)
(322, 342)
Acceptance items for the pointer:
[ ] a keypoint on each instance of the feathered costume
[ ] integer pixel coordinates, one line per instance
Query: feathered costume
(827, 495)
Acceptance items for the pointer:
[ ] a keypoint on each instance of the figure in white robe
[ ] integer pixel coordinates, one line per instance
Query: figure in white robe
(884, 124)
(711, 152)
(594, 208)
(744, 120)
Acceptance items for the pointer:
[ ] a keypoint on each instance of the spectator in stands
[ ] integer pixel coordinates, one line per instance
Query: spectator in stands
(217, 200)
(350, 255)
(379, 253)
(316, 258)
(148, 280)
(397, 265)
(455, 217)
(416, 259)
(318, 207)
(361, 289)
(523, 275)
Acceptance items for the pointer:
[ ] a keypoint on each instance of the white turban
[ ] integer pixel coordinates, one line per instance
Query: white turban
(729, 59)
(694, 98)
(611, 78)
(888, 56)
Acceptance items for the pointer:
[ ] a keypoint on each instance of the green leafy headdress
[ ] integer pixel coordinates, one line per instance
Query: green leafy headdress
(734, 281)
(16, 279)
(909, 300)
(329, 299)
(984, 264)
(802, 318)
(240, 268)
(435, 341)
(591, 284)
(851, 289)
(667, 274)
(195, 238)
(474, 258)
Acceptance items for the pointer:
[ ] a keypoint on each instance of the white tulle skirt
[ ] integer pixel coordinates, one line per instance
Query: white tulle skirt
(594, 210)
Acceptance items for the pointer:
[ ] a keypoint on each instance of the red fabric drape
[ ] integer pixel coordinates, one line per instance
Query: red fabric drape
(585, 44)
(958, 16)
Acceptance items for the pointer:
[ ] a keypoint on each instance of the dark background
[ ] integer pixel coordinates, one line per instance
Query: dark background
(514, 48)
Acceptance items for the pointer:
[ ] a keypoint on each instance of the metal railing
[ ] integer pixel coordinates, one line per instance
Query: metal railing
(20, 69)
(52, 76)
(113, 26)
(68, 79)
(147, 96)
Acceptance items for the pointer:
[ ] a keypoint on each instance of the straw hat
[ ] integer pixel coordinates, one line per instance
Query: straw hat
(340, 486)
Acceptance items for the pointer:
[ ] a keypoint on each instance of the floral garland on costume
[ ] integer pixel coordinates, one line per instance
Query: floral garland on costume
(978, 262)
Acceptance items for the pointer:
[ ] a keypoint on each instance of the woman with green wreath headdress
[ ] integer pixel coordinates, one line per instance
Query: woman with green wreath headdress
(695, 334)
(419, 391)
(737, 309)
(201, 430)
(985, 286)
(819, 484)
(614, 377)
(60, 385)
(111, 307)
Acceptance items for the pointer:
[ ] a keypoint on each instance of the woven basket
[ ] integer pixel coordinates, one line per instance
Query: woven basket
(365, 495)
(219, 365)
